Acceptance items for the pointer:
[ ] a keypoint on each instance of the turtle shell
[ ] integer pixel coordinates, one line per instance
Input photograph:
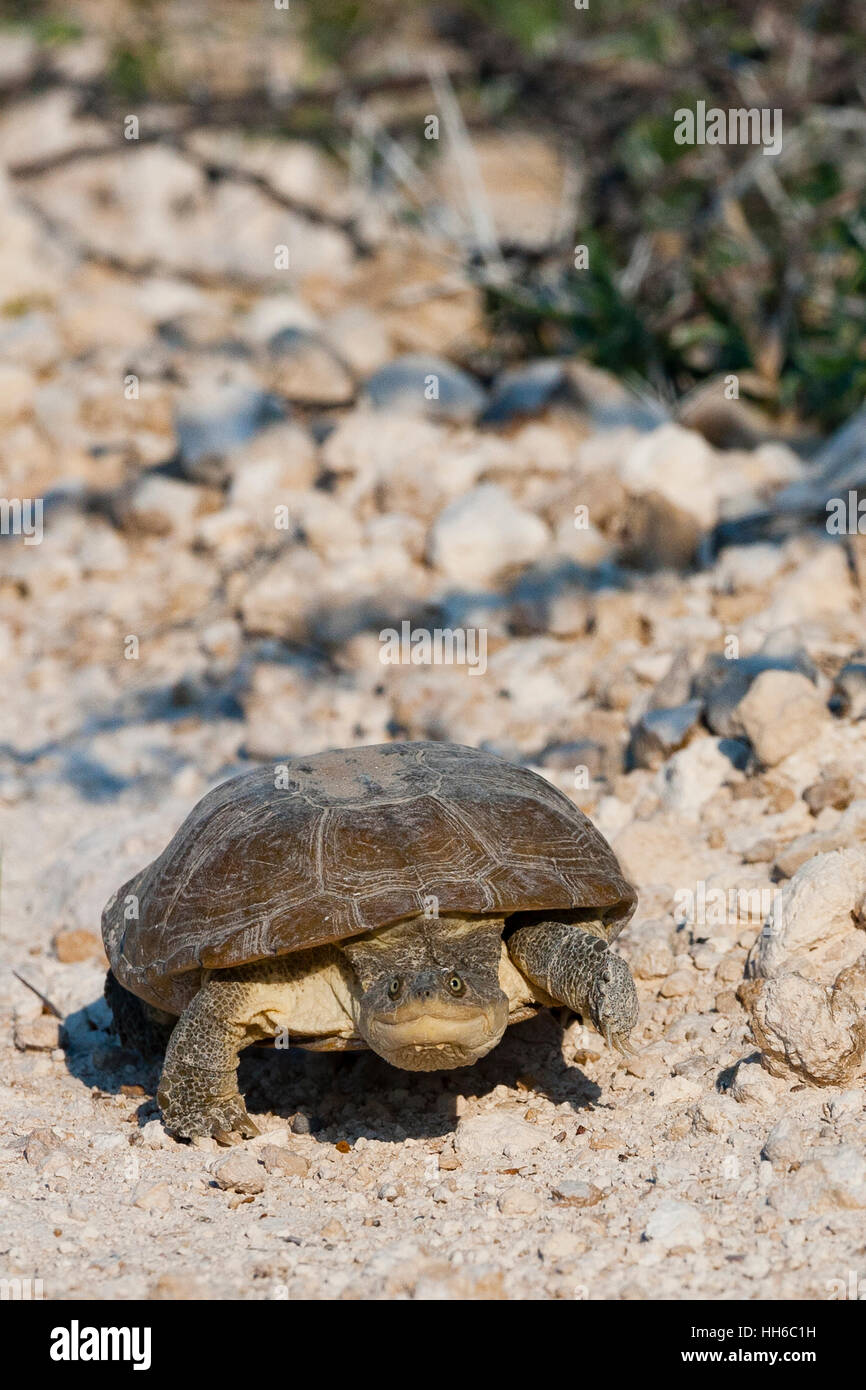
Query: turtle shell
(319, 849)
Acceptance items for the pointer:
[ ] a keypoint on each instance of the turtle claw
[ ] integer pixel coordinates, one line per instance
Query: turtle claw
(230, 1123)
(224, 1120)
(619, 1042)
(225, 1138)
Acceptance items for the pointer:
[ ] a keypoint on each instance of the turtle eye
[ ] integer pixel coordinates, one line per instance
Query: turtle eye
(607, 977)
(456, 985)
(394, 987)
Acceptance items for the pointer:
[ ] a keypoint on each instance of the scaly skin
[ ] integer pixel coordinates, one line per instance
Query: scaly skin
(425, 995)
(429, 992)
(574, 966)
(198, 1091)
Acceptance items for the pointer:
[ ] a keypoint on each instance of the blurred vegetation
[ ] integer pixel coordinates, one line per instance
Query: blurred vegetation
(703, 260)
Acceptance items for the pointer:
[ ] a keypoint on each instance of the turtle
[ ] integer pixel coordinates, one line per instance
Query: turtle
(413, 898)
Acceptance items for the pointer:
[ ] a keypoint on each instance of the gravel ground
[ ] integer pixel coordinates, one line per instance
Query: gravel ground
(244, 484)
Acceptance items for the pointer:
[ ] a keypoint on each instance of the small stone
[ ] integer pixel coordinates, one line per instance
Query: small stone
(484, 535)
(713, 1115)
(280, 1160)
(761, 851)
(693, 775)
(306, 372)
(722, 684)
(844, 1106)
(649, 951)
(153, 1198)
(660, 732)
(647, 1063)
(426, 385)
(753, 1086)
(678, 985)
(153, 1135)
(176, 1288)
(848, 832)
(390, 1191)
(573, 1193)
(563, 1245)
(77, 944)
(161, 507)
(39, 1034)
(675, 1225)
(829, 791)
(215, 417)
(43, 1149)
(334, 1230)
(672, 477)
(524, 390)
(674, 1089)
(730, 968)
(239, 1172)
(705, 957)
(823, 1184)
(519, 1201)
(784, 1144)
(781, 712)
(727, 1003)
(496, 1135)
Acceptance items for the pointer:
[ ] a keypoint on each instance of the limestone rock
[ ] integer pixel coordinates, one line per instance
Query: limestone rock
(808, 1028)
(483, 536)
(722, 684)
(825, 1183)
(497, 1135)
(426, 386)
(239, 1172)
(671, 476)
(781, 711)
(675, 1225)
(660, 732)
(811, 928)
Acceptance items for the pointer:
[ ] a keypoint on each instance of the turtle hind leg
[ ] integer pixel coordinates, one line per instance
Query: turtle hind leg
(198, 1090)
(138, 1026)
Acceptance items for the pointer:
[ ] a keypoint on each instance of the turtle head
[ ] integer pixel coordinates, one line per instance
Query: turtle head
(429, 996)
(613, 1003)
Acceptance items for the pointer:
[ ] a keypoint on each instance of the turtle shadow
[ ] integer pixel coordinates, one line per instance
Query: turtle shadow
(95, 1056)
(349, 1096)
(344, 1096)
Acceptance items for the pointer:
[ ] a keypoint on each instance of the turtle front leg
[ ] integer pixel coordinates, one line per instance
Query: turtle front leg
(576, 968)
(198, 1090)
